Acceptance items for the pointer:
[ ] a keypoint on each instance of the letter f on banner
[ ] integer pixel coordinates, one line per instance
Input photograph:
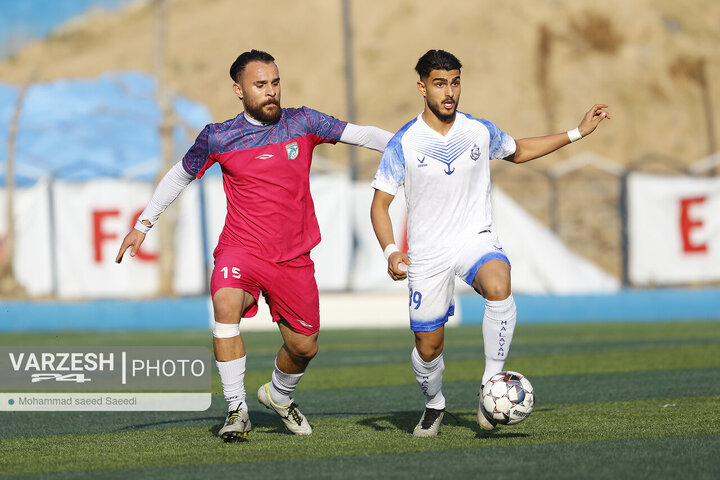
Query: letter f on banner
(687, 224)
(100, 235)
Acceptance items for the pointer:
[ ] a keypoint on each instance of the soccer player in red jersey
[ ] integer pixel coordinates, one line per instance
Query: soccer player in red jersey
(265, 155)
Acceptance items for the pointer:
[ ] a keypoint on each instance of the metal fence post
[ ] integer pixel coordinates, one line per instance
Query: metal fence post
(623, 207)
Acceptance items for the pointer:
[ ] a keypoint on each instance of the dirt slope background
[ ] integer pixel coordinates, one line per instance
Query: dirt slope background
(531, 67)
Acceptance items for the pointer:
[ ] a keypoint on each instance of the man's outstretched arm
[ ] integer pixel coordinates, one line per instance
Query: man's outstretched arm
(531, 148)
(369, 137)
(174, 182)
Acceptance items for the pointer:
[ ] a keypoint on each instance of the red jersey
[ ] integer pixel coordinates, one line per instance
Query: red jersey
(266, 177)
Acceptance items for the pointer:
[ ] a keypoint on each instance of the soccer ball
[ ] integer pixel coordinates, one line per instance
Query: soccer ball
(508, 397)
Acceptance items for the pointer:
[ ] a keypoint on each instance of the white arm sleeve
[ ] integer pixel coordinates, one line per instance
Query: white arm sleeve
(174, 182)
(370, 137)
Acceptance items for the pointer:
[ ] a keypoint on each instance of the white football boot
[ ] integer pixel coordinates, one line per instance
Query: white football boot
(429, 424)
(237, 425)
(484, 419)
(290, 415)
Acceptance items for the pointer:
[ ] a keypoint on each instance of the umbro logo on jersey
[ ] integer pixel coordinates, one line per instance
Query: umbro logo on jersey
(265, 156)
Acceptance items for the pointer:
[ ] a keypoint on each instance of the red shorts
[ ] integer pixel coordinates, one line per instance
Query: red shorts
(289, 288)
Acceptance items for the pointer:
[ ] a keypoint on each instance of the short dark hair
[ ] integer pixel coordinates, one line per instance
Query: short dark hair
(436, 60)
(240, 62)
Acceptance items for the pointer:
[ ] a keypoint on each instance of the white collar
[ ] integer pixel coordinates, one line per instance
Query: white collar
(255, 121)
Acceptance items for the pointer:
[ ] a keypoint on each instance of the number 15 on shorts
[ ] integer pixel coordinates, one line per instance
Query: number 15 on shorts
(235, 272)
(415, 298)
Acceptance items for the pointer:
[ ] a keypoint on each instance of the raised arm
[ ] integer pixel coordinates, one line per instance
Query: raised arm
(382, 224)
(531, 148)
(369, 137)
(174, 182)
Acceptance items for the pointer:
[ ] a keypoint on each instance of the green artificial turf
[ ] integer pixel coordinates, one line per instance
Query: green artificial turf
(613, 401)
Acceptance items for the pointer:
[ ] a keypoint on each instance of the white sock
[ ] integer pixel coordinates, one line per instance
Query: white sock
(429, 378)
(232, 377)
(498, 327)
(283, 385)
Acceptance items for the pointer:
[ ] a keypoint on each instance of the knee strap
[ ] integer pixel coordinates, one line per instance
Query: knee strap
(226, 330)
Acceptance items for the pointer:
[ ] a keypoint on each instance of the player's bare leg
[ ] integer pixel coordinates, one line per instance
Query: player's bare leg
(428, 365)
(492, 281)
(297, 351)
(228, 307)
(429, 345)
(290, 364)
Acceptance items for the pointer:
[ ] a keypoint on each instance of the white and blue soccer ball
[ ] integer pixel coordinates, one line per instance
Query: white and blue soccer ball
(508, 397)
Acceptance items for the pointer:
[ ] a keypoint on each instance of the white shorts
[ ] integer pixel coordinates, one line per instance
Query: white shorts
(431, 298)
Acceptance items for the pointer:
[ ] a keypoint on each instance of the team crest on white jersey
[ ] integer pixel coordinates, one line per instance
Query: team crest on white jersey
(292, 150)
(475, 152)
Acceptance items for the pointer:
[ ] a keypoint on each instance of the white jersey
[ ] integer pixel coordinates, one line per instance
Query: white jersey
(447, 184)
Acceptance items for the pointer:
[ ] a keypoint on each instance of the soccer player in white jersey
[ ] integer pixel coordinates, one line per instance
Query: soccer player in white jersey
(442, 157)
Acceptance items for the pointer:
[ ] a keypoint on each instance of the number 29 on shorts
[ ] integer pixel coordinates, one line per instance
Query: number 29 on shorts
(415, 298)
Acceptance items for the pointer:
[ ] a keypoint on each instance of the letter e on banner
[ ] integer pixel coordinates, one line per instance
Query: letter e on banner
(688, 224)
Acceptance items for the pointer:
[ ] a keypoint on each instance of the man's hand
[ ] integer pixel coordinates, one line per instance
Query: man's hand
(395, 262)
(133, 239)
(592, 118)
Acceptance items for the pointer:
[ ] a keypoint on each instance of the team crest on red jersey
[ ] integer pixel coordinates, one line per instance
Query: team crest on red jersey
(292, 150)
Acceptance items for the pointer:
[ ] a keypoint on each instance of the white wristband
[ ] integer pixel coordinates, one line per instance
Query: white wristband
(139, 225)
(574, 135)
(389, 250)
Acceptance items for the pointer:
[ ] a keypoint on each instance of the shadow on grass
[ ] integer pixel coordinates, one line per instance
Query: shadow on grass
(258, 419)
(498, 433)
(144, 426)
(406, 421)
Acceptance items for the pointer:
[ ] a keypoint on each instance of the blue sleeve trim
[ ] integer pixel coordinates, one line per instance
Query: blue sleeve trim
(497, 137)
(391, 170)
